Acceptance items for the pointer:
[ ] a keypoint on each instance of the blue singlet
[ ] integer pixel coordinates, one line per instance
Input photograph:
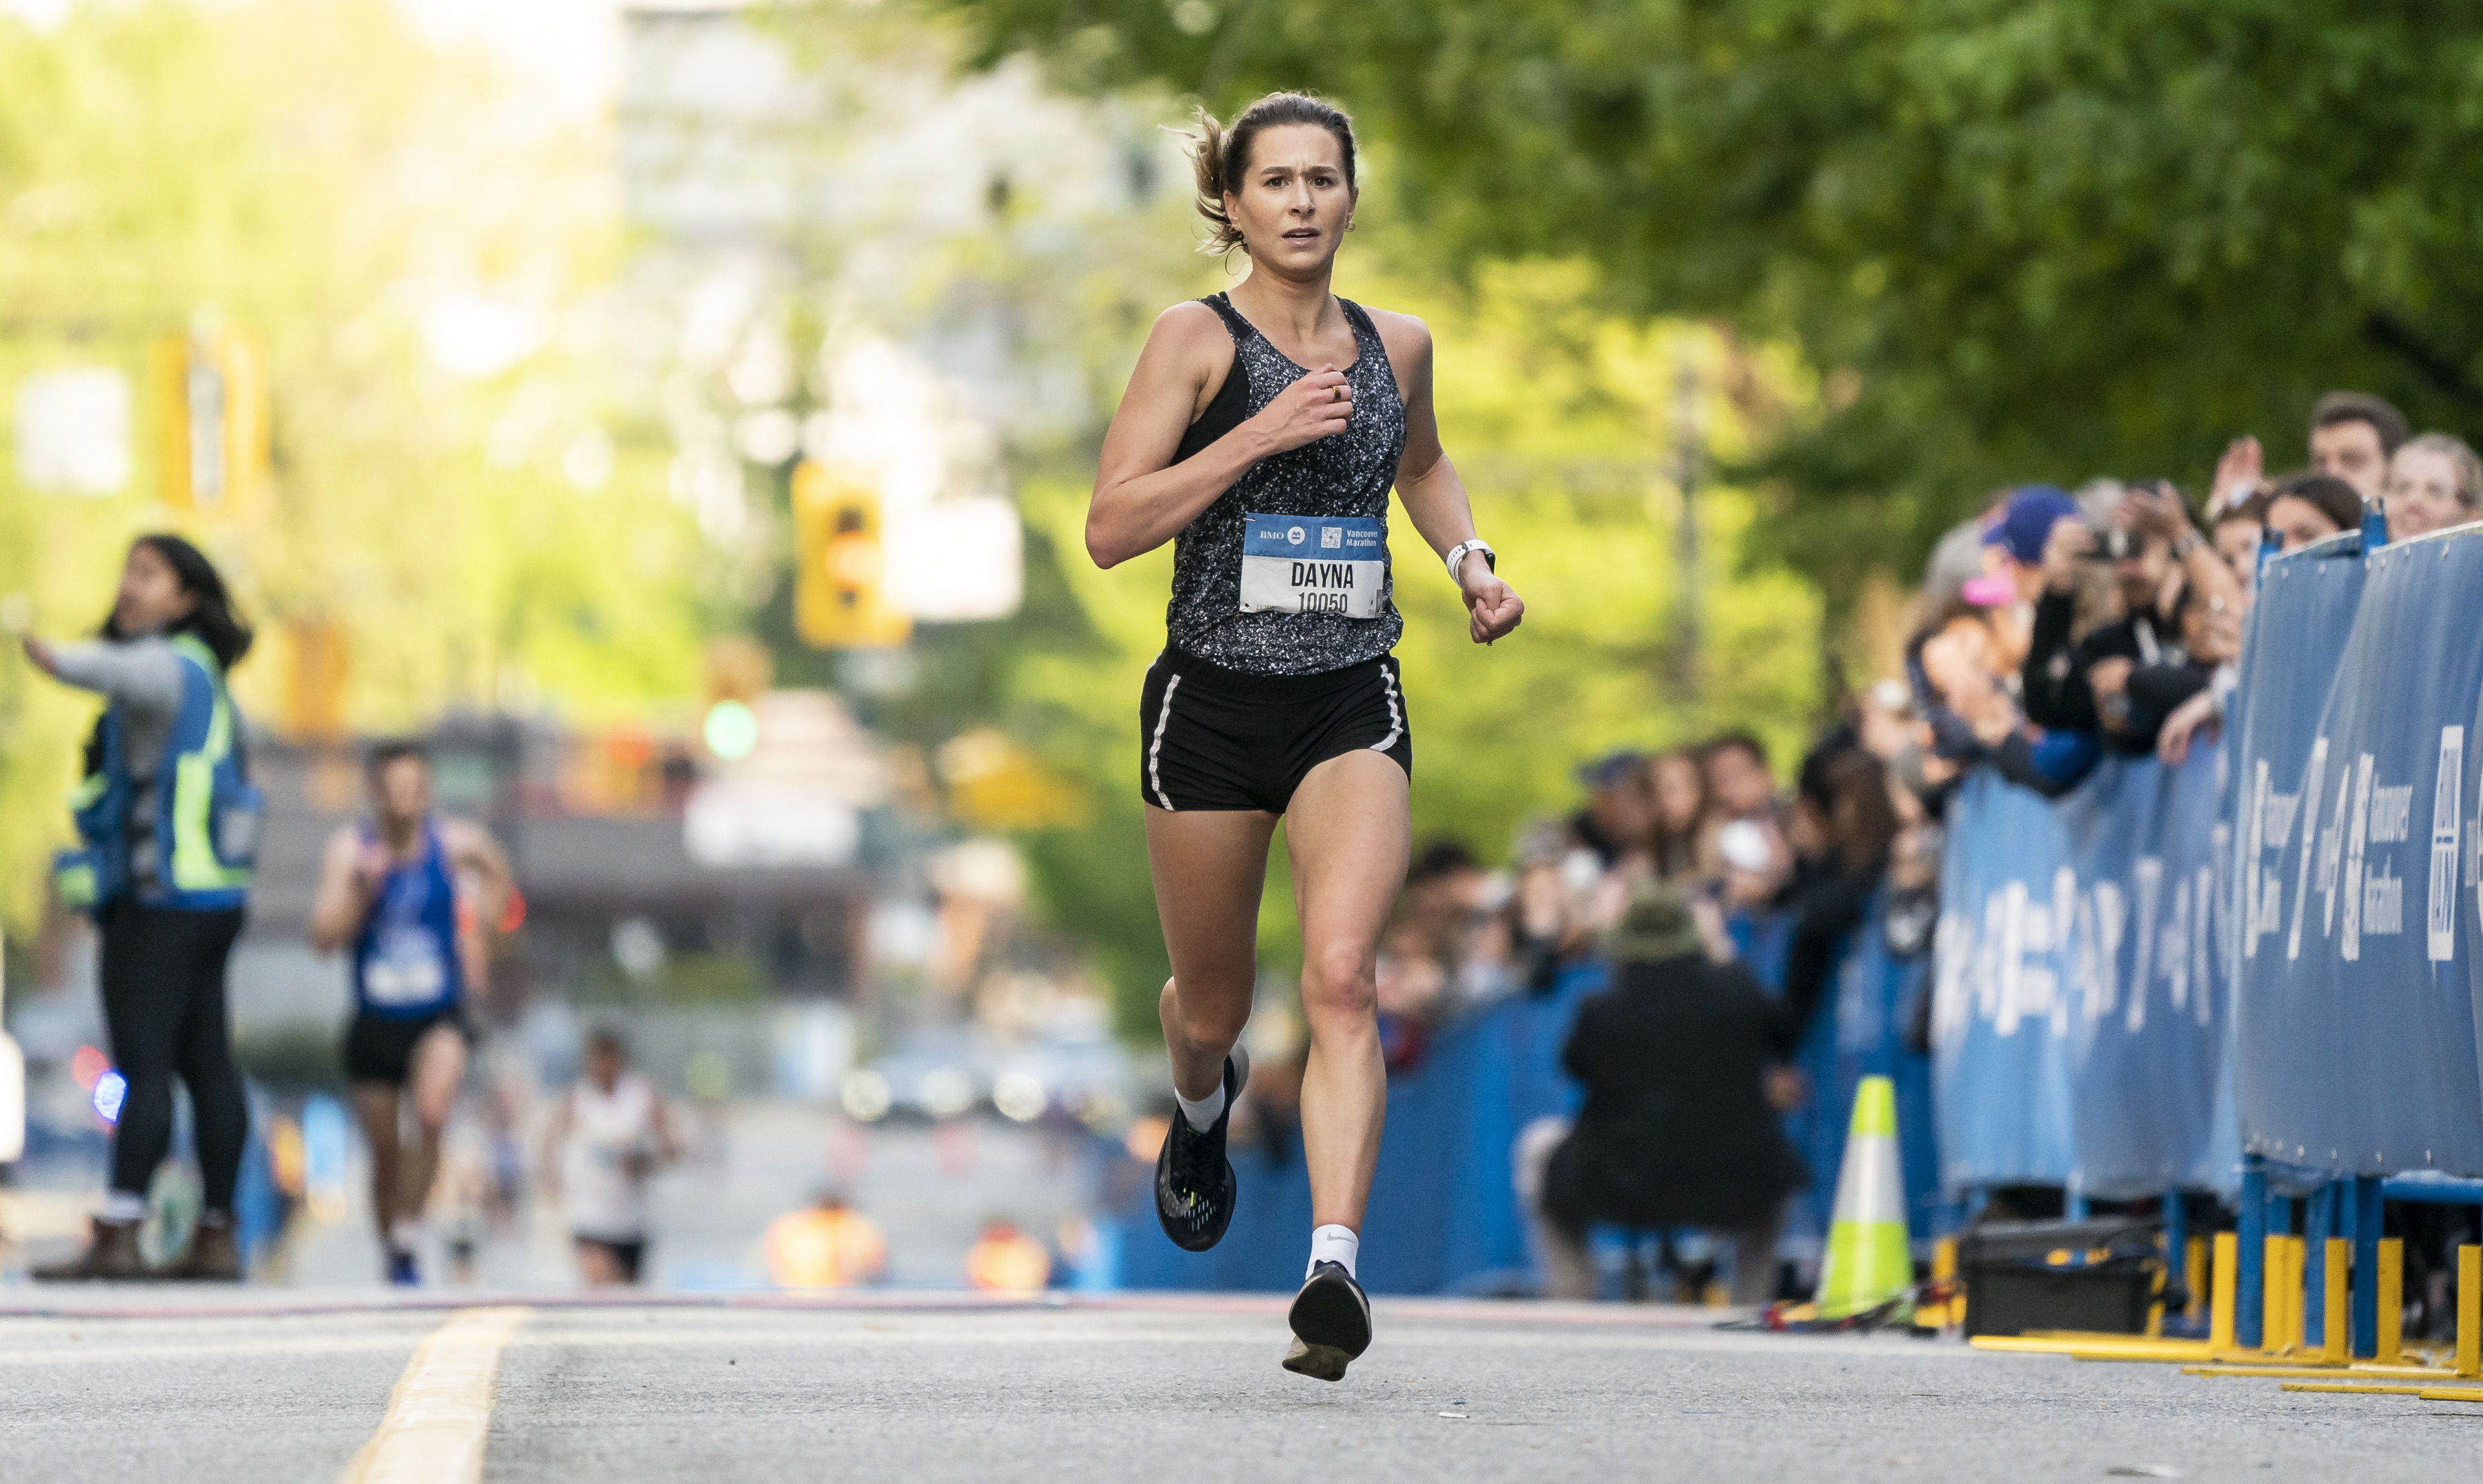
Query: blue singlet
(405, 963)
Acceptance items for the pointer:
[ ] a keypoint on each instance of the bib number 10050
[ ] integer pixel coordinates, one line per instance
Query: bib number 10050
(1314, 564)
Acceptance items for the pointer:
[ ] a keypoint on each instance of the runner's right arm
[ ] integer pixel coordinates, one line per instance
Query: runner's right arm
(343, 899)
(1142, 498)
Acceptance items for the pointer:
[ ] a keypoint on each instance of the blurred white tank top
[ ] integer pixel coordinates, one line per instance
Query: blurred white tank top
(604, 1129)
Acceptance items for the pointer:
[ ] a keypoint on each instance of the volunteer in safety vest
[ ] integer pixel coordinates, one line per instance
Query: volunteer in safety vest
(410, 894)
(1262, 433)
(168, 823)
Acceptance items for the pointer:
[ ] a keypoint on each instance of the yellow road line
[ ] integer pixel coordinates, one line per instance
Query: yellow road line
(440, 1413)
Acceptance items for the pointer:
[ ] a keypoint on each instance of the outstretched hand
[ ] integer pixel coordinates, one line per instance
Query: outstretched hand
(1493, 607)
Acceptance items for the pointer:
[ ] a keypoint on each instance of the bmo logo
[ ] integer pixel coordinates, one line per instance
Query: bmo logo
(1295, 535)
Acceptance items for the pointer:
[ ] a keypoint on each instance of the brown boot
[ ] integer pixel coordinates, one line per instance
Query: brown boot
(213, 1255)
(111, 1255)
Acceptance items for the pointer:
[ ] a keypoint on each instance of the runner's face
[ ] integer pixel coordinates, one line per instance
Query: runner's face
(402, 792)
(1294, 203)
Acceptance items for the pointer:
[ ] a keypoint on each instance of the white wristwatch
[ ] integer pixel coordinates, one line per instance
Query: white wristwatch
(1458, 552)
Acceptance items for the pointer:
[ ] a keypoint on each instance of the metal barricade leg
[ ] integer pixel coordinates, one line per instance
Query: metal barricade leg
(2176, 1242)
(2368, 1216)
(2249, 1265)
(2318, 1225)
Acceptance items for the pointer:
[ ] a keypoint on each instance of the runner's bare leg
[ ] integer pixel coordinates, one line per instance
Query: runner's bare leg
(1350, 832)
(1210, 867)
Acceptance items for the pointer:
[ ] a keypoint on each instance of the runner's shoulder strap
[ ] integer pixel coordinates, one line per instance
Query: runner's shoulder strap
(1232, 317)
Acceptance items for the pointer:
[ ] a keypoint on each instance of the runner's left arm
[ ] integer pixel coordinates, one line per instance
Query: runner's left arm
(479, 857)
(669, 1146)
(1433, 496)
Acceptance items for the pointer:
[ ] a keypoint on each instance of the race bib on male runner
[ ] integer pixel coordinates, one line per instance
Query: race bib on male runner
(1314, 564)
(406, 968)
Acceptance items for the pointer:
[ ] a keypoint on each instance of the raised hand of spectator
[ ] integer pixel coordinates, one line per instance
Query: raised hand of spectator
(2237, 473)
(2158, 513)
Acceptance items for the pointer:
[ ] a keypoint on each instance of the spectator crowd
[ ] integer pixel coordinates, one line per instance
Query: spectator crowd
(2056, 627)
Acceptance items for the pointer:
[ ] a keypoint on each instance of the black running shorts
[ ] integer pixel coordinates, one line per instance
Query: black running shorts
(380, 1047)
(629, 1257)
(1212, 738)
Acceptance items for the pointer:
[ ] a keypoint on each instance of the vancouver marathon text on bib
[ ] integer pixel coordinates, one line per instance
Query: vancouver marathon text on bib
(1314, 564)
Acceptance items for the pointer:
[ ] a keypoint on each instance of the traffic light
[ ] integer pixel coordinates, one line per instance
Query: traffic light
(209, 396)
(738, 672)
(840, 598)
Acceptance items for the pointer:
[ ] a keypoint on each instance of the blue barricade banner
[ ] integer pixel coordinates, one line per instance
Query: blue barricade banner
(2357, 992)
(2148, 1033)
(2000, 1008)
(2080, 1014)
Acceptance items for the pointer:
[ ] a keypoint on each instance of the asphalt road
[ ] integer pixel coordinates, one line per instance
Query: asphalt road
(926, 1387)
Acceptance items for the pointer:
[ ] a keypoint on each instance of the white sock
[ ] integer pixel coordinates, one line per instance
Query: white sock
(123, 1205)
(405, 1235)
(1340, 1245)
(1203, 1112)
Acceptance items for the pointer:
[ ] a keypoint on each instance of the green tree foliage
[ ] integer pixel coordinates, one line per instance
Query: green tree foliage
(2038, 240)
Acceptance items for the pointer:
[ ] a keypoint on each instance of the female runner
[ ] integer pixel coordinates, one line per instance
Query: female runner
(1261, 433)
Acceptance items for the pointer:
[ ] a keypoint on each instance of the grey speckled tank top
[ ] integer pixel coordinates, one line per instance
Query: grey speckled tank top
(1346, 477)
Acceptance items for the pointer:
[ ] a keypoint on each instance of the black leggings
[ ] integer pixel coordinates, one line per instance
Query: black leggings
(164, 1004)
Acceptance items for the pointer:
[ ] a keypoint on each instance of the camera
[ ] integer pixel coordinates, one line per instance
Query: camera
(2112, 544)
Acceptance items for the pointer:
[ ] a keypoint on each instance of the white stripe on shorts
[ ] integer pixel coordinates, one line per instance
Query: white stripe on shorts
(1396, 716)
(1154, 748)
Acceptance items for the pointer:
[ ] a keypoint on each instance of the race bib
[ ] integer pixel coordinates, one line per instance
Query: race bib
(1314, 564)
(406, 968)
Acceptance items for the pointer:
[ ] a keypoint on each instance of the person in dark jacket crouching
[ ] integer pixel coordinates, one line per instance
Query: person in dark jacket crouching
(1681, 1064)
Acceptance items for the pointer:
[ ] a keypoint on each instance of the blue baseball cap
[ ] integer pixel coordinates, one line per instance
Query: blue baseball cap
(1611, 770)
(2027, 522)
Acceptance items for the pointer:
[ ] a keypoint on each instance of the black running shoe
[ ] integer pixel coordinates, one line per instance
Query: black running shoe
(1195, 1185)
(1331, 1321)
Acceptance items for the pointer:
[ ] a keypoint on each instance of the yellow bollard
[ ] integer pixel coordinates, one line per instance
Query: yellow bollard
(2220, 1312)
(1943, 1314)
(2388, 1288)
(2337, 1344)
(2469, 1311)
(2156, 1309)
(2271, 1312)
(2196, 1267)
